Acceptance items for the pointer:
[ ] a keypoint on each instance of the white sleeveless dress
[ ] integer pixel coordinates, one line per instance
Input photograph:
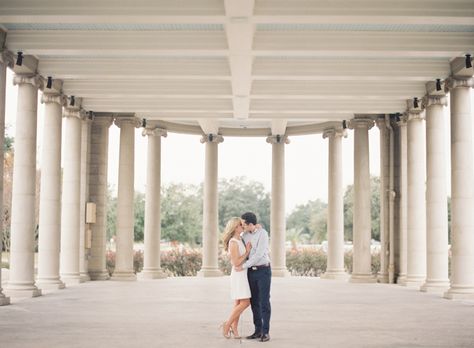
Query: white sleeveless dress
(239, 284)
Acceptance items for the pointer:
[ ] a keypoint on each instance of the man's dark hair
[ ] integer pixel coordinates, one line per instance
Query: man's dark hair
(249, 218)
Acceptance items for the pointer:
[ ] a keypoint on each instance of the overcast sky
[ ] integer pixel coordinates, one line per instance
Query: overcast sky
(306, 157)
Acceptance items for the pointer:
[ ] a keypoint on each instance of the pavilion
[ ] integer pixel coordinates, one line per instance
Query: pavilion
(261, 68)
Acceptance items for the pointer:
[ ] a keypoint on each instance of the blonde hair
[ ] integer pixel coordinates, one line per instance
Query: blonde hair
(230, 230)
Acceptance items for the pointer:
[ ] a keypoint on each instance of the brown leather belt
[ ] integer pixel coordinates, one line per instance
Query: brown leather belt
(256, 268)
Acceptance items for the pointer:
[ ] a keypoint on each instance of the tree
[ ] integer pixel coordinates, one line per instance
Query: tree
(239, 195)
(309, 221)
(111, 213)
(139, 210)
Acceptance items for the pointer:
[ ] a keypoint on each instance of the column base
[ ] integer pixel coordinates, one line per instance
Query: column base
(99, 275)
(414, 281)
(362, 278)
(335, 275)
(401, 279)
(280, 272)
(22, 290)
(71, 280)
(209, 272)
(123, 276)
(435, 286)
(460, 293)
(149, 274)
(49, 284)
(4, 300)
(382, 278)
(85, 277)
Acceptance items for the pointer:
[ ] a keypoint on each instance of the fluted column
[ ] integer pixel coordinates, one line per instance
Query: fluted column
(462, 191)
(98, 195)
(151, 265)
(335, 255)
(437, 278)
(83, 227)
(362, 261)
(22, 250)
(416, 203)
(70, 208)
(3, 75)
(277, 208)
(210, 233)
(382, 276)
(125, 210)
(49, 235)
(403, 200)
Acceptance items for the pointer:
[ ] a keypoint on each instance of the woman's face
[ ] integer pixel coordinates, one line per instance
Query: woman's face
(238, 229)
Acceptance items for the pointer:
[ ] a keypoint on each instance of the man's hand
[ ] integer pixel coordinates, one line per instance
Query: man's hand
(248, 246)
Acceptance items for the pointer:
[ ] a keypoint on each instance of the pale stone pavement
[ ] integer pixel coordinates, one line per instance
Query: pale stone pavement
(186, 312)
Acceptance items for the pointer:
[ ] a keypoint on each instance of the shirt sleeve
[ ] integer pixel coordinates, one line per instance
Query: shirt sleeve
(260, 250)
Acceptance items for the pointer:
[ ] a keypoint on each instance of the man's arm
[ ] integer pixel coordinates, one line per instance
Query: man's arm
(260, 249)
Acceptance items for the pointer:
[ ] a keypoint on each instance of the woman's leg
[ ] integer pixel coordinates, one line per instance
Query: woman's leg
(235, 315)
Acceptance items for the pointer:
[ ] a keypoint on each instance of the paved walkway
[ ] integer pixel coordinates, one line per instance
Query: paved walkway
(186, 312)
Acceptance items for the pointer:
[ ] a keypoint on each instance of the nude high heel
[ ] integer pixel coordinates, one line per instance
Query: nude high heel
(222, 326)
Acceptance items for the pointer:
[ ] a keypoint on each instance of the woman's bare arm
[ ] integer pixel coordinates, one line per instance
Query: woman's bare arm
(235, 258)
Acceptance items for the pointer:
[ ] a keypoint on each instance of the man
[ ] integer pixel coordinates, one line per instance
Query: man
(259, 274)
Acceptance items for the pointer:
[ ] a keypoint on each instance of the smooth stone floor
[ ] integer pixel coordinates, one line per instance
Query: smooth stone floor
(186, 312)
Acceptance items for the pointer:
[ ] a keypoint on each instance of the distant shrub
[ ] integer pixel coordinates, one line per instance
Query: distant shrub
(181, 262)
(306, 262)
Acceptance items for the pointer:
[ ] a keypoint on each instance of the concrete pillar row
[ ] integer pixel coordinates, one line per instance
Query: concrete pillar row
(335, 254)
(362, 260)
(98, 195)
(403, 201)
(70, 207)
(84, 247)
(152, 265)
(125, 210)
(416, 199)
(437, 277)
(277, 208)
(22, 250)
(382, 276)
(462, 191)
(210, 233)
(4, 61)
(49, 235)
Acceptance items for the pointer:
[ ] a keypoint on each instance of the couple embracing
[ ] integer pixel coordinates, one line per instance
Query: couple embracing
(248, 246)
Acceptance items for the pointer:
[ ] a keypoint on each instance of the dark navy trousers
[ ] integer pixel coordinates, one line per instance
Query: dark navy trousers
(260, 281)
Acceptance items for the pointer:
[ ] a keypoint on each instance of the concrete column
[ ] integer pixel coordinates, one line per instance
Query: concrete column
(437, 277)
(49, 235)
(3, 75)
(462, 191)
(98, 195)
(382, 276)
(210, 233)
(396, 202)
(335, 255)
(403, 200)
(362, 261)
(125, 210)
(277, 209)
(84, 194)
(23, 225)
(416, 203)
(70, 208)
(151, 265)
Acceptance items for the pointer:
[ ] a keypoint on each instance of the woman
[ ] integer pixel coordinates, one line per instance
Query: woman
(239, 285)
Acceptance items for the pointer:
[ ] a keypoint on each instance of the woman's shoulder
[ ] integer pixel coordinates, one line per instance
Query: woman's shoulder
(234, 240)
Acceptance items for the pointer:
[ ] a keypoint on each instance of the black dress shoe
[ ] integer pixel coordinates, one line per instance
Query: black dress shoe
(253, 336)
(265, 338)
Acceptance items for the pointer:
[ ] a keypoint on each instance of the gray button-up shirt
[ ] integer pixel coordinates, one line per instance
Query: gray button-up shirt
(259, 254)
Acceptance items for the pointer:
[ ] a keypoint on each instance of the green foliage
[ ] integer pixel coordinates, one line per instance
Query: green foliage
(307, 262)
(111, 213)
(375, 209)
(8, 143)
(139, 211)
(239, 195)
(308, 223)
(181, 214)
(181, 263)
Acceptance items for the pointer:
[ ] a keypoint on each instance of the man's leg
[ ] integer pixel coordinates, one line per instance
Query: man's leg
(264, 296)
(254, 300)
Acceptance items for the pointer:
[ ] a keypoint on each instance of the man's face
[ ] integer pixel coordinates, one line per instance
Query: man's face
(248, 227)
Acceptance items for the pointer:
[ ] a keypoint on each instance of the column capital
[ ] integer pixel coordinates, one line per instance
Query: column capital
(403, 120)
(105, 121)
(212, 138)
(34, 80)
(134, 121)
(155, 132)
(73, 112)
(429, 100)
(361, 123)
(48, 98)
(278, 139)
(334, 132)
(380, 123)
(7, 58)
(456, 82)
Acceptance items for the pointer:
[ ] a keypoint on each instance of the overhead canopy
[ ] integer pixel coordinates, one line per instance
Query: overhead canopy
(267, 64)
